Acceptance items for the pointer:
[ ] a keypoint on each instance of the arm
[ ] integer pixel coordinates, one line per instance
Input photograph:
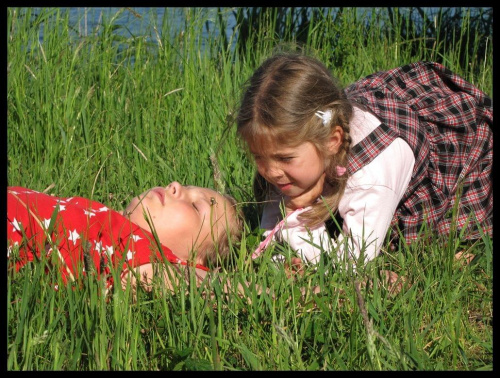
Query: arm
(172, 276)
(371, 199)
(175, 276)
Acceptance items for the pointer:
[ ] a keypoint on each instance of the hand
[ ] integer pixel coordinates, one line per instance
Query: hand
(307, 197)
(464, 257)
(392, 281)
(295, 267)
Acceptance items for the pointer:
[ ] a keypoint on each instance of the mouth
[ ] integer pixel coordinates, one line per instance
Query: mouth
(284, 187)
(160, 193)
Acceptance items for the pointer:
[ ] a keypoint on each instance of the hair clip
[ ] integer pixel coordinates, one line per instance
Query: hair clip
(340, 170)
(325, 116)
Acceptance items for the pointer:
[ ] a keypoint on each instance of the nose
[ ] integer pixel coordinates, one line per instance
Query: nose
(174, 189)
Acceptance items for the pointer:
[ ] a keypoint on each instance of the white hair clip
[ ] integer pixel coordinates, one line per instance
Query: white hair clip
(325, 116)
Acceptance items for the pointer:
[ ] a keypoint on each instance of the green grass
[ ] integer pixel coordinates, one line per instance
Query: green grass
(107, 116)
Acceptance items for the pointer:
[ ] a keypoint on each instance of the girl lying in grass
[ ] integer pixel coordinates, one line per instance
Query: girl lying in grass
(187, 226)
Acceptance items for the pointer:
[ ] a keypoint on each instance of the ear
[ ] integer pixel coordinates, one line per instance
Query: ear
(336, 139)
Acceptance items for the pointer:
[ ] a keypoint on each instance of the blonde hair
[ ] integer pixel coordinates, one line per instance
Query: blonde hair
(229, 234)
(280, 104)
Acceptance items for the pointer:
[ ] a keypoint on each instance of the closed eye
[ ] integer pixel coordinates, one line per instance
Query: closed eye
(201, 206)
(195, 207)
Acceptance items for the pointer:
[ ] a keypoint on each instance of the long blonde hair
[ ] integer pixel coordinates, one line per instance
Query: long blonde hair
(279, 103)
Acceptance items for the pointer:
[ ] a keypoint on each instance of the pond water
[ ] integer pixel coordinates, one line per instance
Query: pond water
(145, 21)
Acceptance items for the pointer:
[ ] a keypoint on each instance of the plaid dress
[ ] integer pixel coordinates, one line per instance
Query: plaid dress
(83, 236)
(447, 122)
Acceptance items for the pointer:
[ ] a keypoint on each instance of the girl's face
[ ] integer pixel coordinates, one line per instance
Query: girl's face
(293, 170)
(183, 216)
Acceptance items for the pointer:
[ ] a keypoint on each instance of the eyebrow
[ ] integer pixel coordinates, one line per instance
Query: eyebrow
(286, 154)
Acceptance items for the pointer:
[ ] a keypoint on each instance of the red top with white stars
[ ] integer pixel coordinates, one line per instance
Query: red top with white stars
(85, 235)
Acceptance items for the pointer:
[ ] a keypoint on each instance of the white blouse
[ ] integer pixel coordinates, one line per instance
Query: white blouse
(370, 200)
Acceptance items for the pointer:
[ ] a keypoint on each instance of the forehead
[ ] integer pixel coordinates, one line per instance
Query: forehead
(275, 149)
(265, 145)
(209, 193)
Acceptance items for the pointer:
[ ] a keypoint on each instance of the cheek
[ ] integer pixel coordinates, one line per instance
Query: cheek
(313, 162)
(134, 210)
(179, 220)
(260, 166)
(271, 167)
(137, 217)
(139, 210)
(261, 171)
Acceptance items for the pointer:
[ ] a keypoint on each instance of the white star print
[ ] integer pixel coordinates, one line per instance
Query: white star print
(74, 236)
(109, 250)
(90, 213)
(98, 246)
(17, 225)
(46, 223)
(130, 254)
(136, 237)
(104, 208)
(61, 207)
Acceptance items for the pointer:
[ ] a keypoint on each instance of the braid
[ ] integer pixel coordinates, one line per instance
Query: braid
(341, 114)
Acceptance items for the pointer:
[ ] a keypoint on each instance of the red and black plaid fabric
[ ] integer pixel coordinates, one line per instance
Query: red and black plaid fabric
(81, 234)
(448, 124)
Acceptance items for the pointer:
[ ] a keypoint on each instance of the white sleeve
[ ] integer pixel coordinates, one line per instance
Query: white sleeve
(371, 197)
